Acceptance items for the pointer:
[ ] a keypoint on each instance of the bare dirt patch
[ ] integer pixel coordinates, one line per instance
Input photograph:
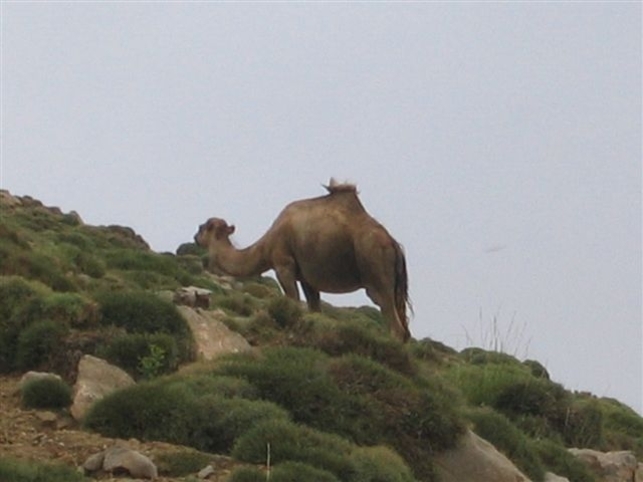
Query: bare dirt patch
(48, 436)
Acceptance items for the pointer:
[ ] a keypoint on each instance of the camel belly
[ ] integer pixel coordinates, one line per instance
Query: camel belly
(332, 282)
(329, 270)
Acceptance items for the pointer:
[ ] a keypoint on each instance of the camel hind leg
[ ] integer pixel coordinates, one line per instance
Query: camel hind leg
(386, 302)
(386, 284)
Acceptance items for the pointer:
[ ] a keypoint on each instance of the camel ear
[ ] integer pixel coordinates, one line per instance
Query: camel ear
(230, 230)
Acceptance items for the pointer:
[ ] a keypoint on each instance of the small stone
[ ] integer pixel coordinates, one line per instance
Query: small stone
(48, 419)
(95, 462)
(206, 472)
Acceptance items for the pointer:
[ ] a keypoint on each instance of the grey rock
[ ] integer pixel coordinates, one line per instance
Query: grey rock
(619, 466)
(134, 463)
(549, 477)
(94, 462)
(212, 337)
(476, 460)
(96, 378)
(192, 296)
(206, 472)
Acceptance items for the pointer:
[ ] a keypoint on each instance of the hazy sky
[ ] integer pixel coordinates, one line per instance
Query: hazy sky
(500, 143)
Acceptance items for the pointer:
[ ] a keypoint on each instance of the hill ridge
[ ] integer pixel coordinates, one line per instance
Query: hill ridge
(69, 288)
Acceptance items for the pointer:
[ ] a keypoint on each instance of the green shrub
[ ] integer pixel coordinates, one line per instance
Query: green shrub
(478, 356)
(557, 459)
(16, 293)
(76, 239)
(151, 365)
(295, 378)
(20, 304)
(431, 350)
(298, 472)
(208, 384)
(48, 392)
(219, 421)
(190, 249)
(181, 463)
(295, 443)
(481, 384)
(38, 342)
(261, 328)
(537, 369)
(71, 308)
(533, 396)
(247, 474)
(498, 429)
(388, 408)
(46, 269)
(83, 258)
(147, 411)
(285, 311)
(141, 312)
(13, 236)
(358, 339)
(582, 425)
(135, 260)
(164, 410)
(142, 355)
(285, 472)
(379, 464)
(357, 398)
(235, 302)
(191, 264)
(13, 470)
(261, 290)
(619, 419)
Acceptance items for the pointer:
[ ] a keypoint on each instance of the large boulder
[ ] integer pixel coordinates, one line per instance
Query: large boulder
(117, 460)
(476, 460)
(96, 378)
(619, 466)
(213, 338)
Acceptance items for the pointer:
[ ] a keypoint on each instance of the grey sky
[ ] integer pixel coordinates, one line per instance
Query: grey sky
(499, 142)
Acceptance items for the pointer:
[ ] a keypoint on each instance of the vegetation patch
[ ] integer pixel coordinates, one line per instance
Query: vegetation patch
(37, 343)
(295, 443)
(13, 470)
(46, 393)
(142, 312)
(142, 355)
(557, 459)
(506, 437)
(182, 462)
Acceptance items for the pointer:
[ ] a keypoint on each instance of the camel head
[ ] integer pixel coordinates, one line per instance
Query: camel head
(212, 231)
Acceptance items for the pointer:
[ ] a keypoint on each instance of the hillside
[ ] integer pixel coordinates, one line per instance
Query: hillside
(332, 395)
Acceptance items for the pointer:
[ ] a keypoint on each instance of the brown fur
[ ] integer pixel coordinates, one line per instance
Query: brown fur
(329, 244)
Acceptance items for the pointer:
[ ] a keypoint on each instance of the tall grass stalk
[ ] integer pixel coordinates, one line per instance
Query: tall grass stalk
(493, 336)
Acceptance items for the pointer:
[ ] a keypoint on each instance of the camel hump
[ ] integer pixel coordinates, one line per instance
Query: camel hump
(334, 186)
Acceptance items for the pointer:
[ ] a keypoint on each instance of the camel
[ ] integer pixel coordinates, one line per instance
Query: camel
(328, 244)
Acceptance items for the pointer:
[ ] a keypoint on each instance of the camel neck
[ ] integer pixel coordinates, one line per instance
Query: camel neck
(242, 262)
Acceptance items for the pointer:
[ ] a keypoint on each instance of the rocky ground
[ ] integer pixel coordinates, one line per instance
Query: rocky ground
(46, 436)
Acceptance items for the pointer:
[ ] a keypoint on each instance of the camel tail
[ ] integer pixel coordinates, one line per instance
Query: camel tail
(402, 300)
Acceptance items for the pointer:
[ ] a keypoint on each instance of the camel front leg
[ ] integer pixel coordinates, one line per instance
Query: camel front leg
(288, 280)
(312, 297)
